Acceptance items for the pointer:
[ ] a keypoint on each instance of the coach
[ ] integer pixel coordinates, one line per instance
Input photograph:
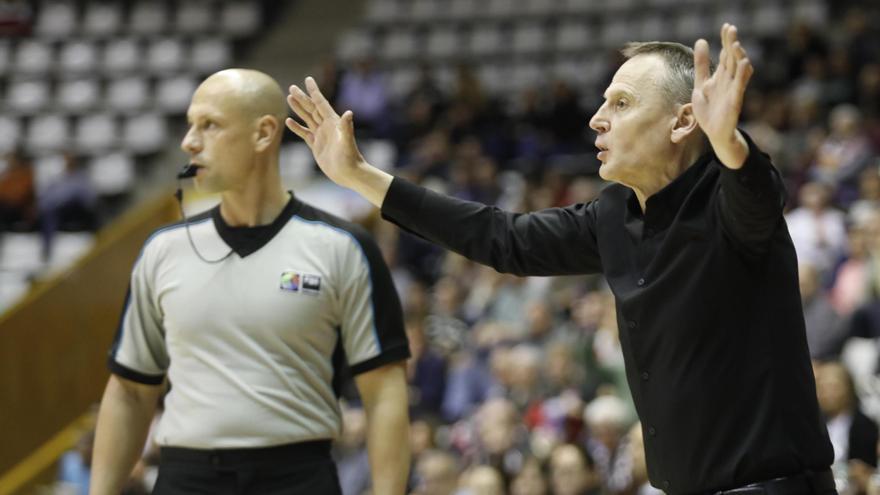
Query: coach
(692, 241)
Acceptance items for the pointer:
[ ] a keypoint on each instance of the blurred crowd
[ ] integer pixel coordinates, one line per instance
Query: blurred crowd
(517, 385)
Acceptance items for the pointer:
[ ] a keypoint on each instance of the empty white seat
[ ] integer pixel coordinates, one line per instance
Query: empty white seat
(494, 77)
(525, 75)
(14, 285)
(165, 55)
(769, 18)
(145, 133)
(33, 57)
(442, 43)
(56, 20)
(730, 14)
(27, 97)
(10, 133)
(46, 133)
(68, 248)
(194, 17)
(486, 40)
(462, 10)
(542, 7)
(240, 19)
(296, 164)
(692, 25)
(48, 169)
(78, 57)
(529, 38)
(615, 32)
(572, 36)
(813, 12)
(355, 44)
(499, 10)
(21, 252)
(382, 11)
(173, 94)
(78, 95)
(96, 133)
(112, 174)
(400, 44)
(148, 18)
(401, 81)
(102, 19)
(380, 153)
(654, 28)
(128, 94)
(122, 55)
(210, 54)
(425, 10)
(5, 57)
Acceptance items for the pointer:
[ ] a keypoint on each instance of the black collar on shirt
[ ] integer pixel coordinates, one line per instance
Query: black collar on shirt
(661, 207)
(247, 240)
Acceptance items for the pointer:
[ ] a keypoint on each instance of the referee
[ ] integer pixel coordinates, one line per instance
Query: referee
(692, 241)
(250, 310)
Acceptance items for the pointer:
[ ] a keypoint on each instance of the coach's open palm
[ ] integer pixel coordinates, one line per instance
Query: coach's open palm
(717, 99)
(330, 137)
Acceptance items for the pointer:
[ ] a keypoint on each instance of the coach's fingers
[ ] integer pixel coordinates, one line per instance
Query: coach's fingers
(302, 112)
(321, 103)
(731, 49)
(300, 131)
(744, 71)
(701, 62)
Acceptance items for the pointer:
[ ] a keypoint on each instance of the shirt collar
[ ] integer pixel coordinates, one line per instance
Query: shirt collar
(661, 207)
(247, 240)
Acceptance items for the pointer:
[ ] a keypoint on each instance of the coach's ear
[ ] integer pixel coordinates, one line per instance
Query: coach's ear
(685, 124)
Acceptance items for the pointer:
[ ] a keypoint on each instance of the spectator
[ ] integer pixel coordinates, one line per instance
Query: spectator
(68, 203)
(572, 472)
(817, 230)
(17, 202)
(363, 90)
(436, 473)
(826, 331)
(853, 435)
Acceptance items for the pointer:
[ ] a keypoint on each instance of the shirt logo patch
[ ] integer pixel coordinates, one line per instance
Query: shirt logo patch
(290, 281)
(311, 283)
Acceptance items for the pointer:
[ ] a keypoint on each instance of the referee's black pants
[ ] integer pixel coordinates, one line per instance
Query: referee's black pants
(293, 469)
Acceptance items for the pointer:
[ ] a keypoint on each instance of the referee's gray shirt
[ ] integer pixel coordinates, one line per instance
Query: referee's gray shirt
(253, 345)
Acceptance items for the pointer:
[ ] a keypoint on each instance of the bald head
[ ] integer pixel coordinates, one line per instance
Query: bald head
(248, 93)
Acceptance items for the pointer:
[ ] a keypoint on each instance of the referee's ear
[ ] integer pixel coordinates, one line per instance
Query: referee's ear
(268, 132)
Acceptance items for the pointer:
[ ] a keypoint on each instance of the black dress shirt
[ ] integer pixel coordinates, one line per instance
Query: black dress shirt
(706, 289)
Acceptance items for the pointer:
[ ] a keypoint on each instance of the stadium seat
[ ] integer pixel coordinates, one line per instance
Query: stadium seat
(401, 81)
(96, 133)
(572, 36)
(148, 18)
(33, 57)
(5, 57)
(194, 17)
(102, 19)
(380, 153)
(27, 97)
(145, 133)
(210, 54)
(68, 247)
(297, 164)
(442, 43)
(48, 168)
(173, 94)
(10, 133)
(112, 174)
(424, 11)
(128, 94)
(76, 96)
(486, 40)
(355, 44)
(56, 20)
(165, 56)
(122, 55)
(77, 57)
(20, 252)
(382, 11)
(45, 133)
(529, 38)
(400, 44)
(240, 19)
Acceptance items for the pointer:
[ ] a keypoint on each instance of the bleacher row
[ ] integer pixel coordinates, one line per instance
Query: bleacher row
(516, 43)
(103, 80)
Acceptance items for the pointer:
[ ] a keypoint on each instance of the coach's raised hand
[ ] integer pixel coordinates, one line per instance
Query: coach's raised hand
(717, 100)
(331, 139)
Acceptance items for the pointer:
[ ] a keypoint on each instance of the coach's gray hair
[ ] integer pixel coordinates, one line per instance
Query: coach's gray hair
(679, 83)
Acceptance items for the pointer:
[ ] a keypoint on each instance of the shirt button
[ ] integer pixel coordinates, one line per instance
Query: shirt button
(645, 376)
(632, 324)
(641, 282)
(652, 431)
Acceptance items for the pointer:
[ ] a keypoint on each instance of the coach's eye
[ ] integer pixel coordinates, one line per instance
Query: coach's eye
(621, 104)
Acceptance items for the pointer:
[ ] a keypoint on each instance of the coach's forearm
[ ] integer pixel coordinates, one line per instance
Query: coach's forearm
(123, 423)
(371, 183)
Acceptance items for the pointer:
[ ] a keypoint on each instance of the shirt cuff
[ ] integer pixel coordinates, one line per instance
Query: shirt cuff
(757, 173)
(397, 353)
(130, 374)
(402, 201)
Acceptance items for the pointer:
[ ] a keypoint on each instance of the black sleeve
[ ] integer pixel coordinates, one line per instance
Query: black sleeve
(555, 241)
(752, 199)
